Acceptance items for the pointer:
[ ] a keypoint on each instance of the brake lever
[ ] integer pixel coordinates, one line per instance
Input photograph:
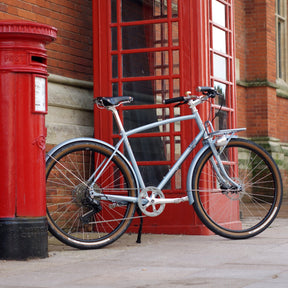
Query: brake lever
(181, 103)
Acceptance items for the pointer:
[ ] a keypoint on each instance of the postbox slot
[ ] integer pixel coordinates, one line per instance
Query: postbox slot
(39, 59)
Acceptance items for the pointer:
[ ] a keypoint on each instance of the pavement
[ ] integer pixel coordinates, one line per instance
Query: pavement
(160, 261)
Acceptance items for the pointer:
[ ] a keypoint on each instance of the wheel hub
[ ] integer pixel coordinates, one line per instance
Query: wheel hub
(80, 193)
(233, 193)
(81, 196)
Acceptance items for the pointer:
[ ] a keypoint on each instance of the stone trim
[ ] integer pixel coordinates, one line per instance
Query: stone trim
(279, 152)
(70, 109)
(70, 81)
(70, 93)
(280, 85)
(282, 89)
(257, 83)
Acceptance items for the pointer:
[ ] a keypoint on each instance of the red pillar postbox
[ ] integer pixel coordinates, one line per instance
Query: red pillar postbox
(23, 105)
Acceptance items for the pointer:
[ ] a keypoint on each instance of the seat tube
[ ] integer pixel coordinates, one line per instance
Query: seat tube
(133, 160)
(128, 146)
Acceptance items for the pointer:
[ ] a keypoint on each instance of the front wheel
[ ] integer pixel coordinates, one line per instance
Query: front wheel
(231, 213)
(76, 218)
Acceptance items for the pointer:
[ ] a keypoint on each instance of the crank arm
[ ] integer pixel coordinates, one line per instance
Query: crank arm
(170, 200)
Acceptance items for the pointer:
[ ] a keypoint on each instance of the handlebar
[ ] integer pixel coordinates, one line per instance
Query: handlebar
(209, 92)
(206, 90)
(174, 100)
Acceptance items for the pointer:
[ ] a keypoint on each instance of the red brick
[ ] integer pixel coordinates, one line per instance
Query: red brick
(73, 19)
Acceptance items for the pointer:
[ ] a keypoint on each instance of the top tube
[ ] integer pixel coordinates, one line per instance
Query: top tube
(159, 123)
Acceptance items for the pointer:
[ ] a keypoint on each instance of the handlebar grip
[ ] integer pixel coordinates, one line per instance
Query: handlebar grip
(174, 100)
(206, 89)
(209, 91)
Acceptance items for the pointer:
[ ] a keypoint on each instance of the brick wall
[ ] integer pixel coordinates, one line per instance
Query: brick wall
(256, 54)
(282, 122)
(259, 107)
(240, 46)
(70, 63)
(260, 40)
(71, 54)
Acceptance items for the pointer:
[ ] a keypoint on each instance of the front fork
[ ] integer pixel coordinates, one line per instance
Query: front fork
(217, 148)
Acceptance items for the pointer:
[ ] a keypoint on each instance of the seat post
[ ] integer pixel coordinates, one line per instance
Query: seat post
(117, 118)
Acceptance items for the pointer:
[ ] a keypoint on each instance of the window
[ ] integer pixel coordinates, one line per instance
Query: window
(145, 55)
(142, 52)
(154, 50)
(221, 57)
(281, 39)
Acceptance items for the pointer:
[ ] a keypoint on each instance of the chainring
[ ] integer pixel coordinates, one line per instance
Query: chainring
(147, 201)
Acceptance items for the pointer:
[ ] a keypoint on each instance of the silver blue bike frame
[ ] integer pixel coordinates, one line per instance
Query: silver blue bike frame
(208, 142)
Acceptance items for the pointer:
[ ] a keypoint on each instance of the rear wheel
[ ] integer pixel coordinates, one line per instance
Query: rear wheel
(238, 214)
(74, 217)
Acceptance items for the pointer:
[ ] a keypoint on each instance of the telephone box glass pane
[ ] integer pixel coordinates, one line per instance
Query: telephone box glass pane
(220, 67)
(145, 36)
(143, 9)
(219, 40)
(218, 13)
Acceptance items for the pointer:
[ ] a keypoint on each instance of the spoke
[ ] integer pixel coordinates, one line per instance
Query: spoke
(119, 219)
(68, 170)
(243, 213)
(78, 218)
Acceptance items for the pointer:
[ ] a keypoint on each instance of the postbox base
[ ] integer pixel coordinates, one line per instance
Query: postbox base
(23, 238)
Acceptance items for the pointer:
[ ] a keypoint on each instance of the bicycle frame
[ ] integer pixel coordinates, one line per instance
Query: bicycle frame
(92, 211)
(203, 134)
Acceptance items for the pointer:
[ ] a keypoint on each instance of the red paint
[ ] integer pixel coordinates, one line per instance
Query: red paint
(195, 66)
(22, 134)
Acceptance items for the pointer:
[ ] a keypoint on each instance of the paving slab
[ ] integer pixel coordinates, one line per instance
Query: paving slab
(160, 261)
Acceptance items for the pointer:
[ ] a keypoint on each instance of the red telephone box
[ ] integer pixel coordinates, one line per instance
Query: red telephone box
(154, 50)
(23, 96)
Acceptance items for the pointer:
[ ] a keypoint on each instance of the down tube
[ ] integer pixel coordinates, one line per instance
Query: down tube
(182, 158)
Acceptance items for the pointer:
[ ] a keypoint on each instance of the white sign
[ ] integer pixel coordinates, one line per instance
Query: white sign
(40, 94)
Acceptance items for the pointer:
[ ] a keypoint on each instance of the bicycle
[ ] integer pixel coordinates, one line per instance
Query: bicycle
(93, 190)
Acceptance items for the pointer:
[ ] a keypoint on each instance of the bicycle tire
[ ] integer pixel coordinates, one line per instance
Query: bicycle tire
(73, 217)
(244, 214)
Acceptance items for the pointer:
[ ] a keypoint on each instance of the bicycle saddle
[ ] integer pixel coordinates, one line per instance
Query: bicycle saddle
(112, 101)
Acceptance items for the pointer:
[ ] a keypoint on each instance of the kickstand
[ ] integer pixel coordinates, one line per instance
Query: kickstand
(140, 226)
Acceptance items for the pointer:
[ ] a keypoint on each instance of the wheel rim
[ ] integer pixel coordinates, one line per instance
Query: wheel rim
(246, 212)
(70, 211)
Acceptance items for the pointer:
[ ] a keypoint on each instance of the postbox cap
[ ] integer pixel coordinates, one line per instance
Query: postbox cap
(23, 28)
